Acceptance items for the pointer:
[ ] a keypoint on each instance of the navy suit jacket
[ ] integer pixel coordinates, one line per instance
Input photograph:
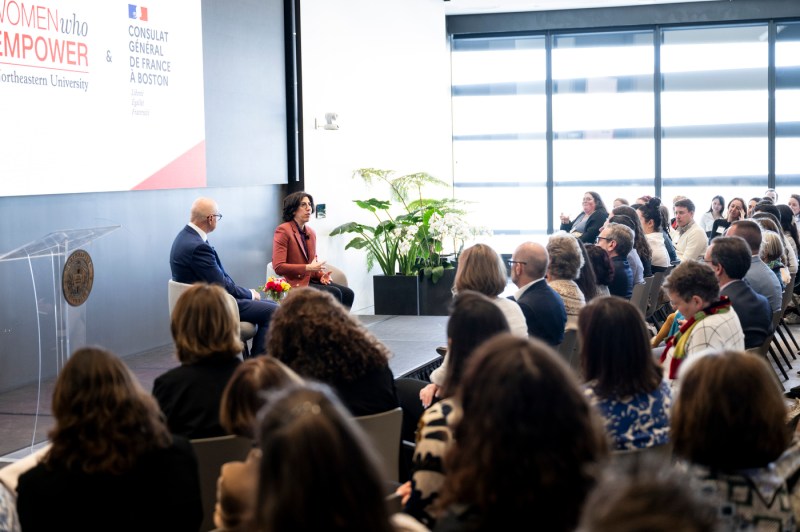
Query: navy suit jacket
(193, 260)
(753, 310)
(544, 313)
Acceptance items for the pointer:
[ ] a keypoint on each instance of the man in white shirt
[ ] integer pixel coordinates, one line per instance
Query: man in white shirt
(691, 242)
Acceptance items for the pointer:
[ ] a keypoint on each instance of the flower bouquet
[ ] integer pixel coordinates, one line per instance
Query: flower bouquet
(275, 288)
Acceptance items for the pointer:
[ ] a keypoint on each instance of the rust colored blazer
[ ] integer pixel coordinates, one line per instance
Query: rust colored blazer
(289, 258)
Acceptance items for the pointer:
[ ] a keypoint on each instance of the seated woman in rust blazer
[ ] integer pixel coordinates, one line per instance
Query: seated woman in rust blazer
(294, 250)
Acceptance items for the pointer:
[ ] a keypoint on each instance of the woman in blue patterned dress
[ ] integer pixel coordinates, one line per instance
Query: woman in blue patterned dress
(623, 380)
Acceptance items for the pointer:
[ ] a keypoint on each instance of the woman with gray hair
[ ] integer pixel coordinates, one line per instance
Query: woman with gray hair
(566, 261)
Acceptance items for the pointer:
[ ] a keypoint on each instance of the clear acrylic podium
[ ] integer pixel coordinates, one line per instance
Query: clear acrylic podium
(61, 327)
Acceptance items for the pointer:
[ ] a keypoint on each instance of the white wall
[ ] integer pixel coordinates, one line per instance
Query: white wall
(384, 67)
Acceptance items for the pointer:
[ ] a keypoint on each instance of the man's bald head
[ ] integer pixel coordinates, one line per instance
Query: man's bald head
(535, 259)
(201, 214)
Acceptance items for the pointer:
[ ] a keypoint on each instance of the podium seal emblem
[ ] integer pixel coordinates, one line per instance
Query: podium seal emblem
(76, 282)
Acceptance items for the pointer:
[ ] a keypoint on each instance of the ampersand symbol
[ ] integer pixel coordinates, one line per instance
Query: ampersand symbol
(108, 56)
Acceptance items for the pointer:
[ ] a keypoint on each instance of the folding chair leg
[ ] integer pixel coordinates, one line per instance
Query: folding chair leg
(791, 335)
(778, 363)
(779, 348)
(785, 342)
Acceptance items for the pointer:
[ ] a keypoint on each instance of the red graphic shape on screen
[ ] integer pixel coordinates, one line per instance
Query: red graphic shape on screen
(143, 16)
(187, 171)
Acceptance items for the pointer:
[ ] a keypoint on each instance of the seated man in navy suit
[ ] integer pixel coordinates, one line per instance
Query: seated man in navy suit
(542, 306)
(193, 260)
(729, 257)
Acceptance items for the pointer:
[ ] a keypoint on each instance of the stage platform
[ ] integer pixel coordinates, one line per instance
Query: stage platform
(411, 339)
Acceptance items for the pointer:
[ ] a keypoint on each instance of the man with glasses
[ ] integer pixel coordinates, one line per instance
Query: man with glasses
(542, 306)
(617, 241)
(193, 260)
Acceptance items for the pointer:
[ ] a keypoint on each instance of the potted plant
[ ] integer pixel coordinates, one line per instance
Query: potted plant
(412, 236)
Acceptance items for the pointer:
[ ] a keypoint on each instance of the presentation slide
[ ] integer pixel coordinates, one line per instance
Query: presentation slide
(100, 96)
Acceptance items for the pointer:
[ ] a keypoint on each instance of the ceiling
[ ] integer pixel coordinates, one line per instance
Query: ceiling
(466, 7)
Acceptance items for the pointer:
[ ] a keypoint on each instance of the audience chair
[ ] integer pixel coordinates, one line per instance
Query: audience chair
(641, 294)
(775, 345)
(783, 328)
(655, 292)
(408, 393)
(211, 454)
(247, 330)
(568, 349)
(384, 429)
(762, 351)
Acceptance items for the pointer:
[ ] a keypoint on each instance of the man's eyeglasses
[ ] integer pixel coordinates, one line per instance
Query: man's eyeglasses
(217, 216)
(599, 238)
(511, 263)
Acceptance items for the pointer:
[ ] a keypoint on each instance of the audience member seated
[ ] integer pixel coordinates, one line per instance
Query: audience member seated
(714, 213)
(586, 226)
(736, 211)
(586, 281)
(9, 521)
(729, 425)
(665, 229)
(602, 267)
(318, 470)
(113, 465)
(193, 259)
(751, 205)
(710, 321)
(315, 335)
(637, 267)
(794, 204)
(542, 306)
(473, 320)
(243, 397)
(640, 244)
(206, 336)
(729, 257)
(772, 253)
(528, 446)
(789, 230)
(771, 194)
(480, 269)
(623, 380)
(760, 277)
(691, 240)
(617, 241)
(294, 250)
(647, 497)
(768, 224)
(566, 261)
(620, 201)
(649, 216)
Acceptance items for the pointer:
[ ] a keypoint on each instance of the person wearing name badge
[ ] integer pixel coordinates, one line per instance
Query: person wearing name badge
(294, 250)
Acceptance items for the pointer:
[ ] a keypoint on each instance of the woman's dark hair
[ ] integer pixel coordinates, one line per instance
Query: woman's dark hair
(244, 395)
(474, 318)
(711, 423)
(587, 280)
(721, 202)
(292, 202)
(651, 212)
(601, 264)
(528, 441)
(316, 336)
(598, 201)
(317, 470)
(104, 420)
(639, 240)
(788, 225)
(621, 364)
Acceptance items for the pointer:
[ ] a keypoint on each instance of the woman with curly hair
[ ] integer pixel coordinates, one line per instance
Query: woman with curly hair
(528, 446)
(566, 262)
(314, 335)
(586, 226)
(113, 463)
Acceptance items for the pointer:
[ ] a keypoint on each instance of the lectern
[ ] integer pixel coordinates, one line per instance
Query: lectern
(61, 274)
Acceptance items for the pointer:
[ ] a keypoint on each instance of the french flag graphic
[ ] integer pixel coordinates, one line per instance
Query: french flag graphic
(137, 12)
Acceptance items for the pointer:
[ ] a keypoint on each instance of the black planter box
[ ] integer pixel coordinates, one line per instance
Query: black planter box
(434, 299)
(396, 294)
